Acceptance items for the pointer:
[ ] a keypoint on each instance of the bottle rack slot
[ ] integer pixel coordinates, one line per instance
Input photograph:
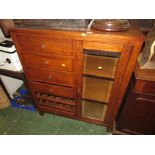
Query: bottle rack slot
(57, 105)
(49, 97)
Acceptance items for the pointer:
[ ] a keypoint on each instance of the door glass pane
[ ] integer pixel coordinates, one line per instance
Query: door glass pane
(93, 110)
(100, 64)
(98, 78)
(97, 89)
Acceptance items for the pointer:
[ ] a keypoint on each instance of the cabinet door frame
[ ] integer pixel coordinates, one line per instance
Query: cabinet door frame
(125, 51)
(120, 71)
(133, 50)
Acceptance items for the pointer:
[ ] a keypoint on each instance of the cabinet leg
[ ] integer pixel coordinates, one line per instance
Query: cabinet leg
(41, 112)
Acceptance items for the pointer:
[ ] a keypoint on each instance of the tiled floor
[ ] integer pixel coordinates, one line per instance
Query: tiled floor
(15, 121)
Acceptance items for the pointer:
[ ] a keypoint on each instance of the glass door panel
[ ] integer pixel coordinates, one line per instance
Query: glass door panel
(93, 110)
(97, 89)
(98, 78)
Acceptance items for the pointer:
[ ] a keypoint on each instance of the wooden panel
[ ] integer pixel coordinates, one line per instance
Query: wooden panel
(38, 43)
(56, 111)
(52, 89)
(137, 116)
(147, 87)
(53, 62)
(78, 48)
(144, 74)
(100, 66)
(102, 46)
(91, 35)
(118, 88)
(97, 89)
(53, 77)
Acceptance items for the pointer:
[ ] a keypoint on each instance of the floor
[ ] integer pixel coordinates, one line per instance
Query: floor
(16, 121)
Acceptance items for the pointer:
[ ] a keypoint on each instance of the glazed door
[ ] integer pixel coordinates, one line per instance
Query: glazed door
(103, 69)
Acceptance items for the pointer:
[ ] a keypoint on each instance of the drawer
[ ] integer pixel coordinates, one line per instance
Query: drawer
(49, 76)
(56, 111)
(52, 89)
(39, 43)
(100, 66)
(53, 62)
(143, 86)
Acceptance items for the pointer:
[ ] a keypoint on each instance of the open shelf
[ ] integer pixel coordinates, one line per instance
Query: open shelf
(56, 102)
(49, 97)
(97, 89)
(93, 110)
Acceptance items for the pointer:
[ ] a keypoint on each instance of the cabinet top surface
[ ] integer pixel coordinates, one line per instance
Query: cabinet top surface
(132, 34)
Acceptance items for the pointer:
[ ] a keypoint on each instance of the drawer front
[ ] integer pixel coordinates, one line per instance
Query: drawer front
(53, 62)
(53, 77)
(52, 89)
(142, 86)
(38, 43)
(149, 87)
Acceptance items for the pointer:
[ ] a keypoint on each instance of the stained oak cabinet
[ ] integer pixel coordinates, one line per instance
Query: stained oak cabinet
(82, 75)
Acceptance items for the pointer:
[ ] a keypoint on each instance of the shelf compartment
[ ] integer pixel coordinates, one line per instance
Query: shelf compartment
(97, 89)
(49, 97)
(57, 105)
(100, 66)
(93, 110)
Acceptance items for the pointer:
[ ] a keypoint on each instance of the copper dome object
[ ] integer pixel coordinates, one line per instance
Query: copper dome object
(110, 24)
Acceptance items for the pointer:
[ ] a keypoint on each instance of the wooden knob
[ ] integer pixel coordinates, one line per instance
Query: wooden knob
(46, 62)
(42, 46)
(51, 90)
(99, 68)
(63, 65)
(49, 76)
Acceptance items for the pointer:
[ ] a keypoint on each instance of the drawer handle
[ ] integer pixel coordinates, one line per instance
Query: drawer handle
(42, 46)
(63, 65)
(51, 90)
(49, 76)
(46, 62)
(99, 68)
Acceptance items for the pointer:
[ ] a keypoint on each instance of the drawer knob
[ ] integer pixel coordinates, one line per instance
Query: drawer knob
(99, 68)
(42, 46)
(46, 62)
(63, 65)
(51, 90)
(49, 76)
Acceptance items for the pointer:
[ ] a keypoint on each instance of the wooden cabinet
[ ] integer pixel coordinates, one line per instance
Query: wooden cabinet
(82, 75)
(137, 113)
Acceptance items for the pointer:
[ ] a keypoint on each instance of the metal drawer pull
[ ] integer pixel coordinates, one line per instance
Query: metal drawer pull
(63, 65)
(42, 46)
(99, 68)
